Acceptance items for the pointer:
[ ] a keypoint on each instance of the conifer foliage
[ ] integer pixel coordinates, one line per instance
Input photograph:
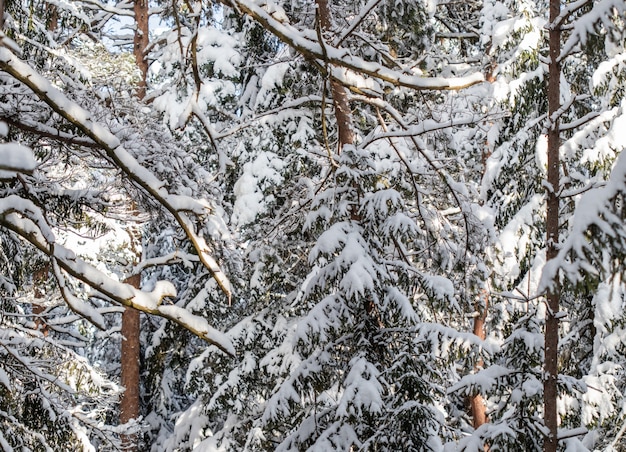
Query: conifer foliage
(372, 225)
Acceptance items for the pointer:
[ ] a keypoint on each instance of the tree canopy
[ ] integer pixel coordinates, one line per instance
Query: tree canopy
(372, 225)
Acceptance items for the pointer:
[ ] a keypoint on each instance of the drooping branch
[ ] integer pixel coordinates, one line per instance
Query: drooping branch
(602, 12)
(115, 10)
(365, 11)
(26, 220)
(177, 205)
(342, 58)
(422, 128)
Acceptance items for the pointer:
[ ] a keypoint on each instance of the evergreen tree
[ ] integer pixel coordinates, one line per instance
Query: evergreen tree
(377, 181)
(53, 208)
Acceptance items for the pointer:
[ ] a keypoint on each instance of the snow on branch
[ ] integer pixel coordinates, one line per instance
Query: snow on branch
(44, 130)
(16, 158)
(8, 345)
(365, 11)
(177, 205)
(310, 48)
(428, 125)
(125, 10)
(481, 382)
(595, 208)
(603, 11)
(25, 219)
(13, 204)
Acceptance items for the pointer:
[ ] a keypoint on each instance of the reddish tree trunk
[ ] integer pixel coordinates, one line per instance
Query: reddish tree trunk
(477, 403)
(130, 365)
(141, 41)
(343, 114)
(53, 17)
(552, 235)
(129, 404)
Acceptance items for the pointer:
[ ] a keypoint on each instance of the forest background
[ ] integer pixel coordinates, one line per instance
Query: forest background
(312, 225)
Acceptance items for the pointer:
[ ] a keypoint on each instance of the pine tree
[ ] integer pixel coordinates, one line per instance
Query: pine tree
(388, 224)
(331, 305)
(76, 188)
(512, 186)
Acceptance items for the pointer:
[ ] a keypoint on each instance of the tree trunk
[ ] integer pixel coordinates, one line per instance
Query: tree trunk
(53, 17)
(552, 235)
(477, 403)
(130, 365)
(141, 41)
(129, 405)
(2, 10)
(343, 114)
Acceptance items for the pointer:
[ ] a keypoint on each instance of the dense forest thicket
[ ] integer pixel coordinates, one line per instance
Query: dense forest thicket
(312, 225)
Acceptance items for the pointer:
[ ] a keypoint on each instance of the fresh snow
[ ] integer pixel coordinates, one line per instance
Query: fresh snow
(15, 158)
(363, 391)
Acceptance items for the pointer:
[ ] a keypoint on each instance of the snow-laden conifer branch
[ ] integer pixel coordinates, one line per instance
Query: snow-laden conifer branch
(307, 45)
(595, 208)
(483, 381)
(43, 130)
(422, 149)
(8, 345)
(290, 107)
(175, 257)
(25, 219)
(568, 10)
(365, 11)
(425, 126)
(603, 11)
(177, 205)
(124, 10)
(16, 158)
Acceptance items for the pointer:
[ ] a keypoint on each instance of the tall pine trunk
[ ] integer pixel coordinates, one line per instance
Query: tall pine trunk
(131, 358)
(130, 369)
(552, 234)
(343, 114)
(477, 403)
(40, 276)
(140, 43)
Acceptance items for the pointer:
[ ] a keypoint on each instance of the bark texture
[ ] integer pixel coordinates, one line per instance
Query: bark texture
(130, 369)
(140, 42)
(343, 114)
(131, 360)
(53, 17)
(477, 403)
(40, 276)
(552, 235)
